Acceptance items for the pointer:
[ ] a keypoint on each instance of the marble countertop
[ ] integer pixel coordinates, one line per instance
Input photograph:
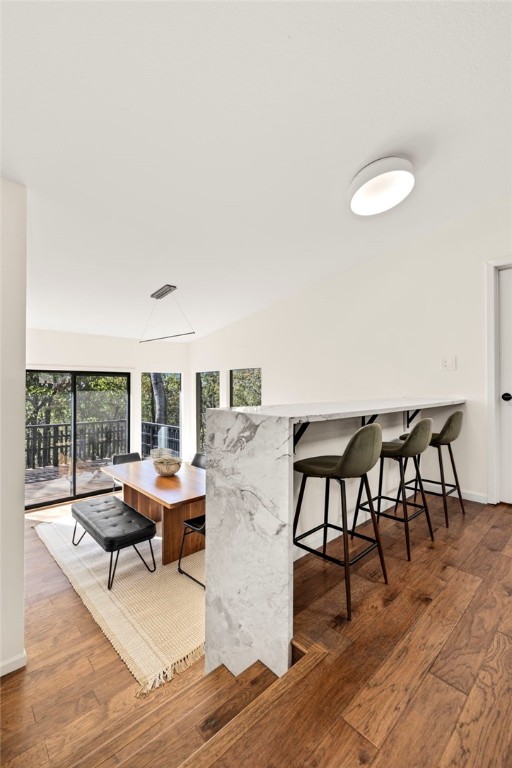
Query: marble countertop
(306, 412)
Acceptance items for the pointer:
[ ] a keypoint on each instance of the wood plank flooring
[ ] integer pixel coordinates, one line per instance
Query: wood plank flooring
(421, 676)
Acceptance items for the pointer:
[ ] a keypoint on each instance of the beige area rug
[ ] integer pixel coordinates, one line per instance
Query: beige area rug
(155, 621)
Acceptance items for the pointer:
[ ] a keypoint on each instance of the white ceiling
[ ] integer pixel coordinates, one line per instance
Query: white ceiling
(210, 145)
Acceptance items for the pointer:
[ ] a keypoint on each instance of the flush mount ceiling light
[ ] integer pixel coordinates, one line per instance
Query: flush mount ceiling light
(161, 293)
(381, 185)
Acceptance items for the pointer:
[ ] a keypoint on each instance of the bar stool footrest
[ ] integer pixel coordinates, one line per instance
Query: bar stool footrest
(420, 509)
(298, 543)
(451, 486)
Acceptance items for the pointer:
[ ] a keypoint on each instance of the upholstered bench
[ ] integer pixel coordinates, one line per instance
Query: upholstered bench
(113, 525)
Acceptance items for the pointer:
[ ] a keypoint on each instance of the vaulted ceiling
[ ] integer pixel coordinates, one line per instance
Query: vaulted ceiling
(210, 145)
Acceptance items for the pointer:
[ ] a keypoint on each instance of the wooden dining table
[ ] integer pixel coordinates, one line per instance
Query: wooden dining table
(167, 499)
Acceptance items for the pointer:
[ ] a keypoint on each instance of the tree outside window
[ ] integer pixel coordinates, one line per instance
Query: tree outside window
(207, 396)
(245, 387)
(160, 405)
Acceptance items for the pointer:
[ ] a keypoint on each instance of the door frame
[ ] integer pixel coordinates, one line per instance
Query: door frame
(493, 269)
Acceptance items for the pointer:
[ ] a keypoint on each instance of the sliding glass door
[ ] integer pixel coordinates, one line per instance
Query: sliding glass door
(48, 437)
(75, 422)
(101, 405)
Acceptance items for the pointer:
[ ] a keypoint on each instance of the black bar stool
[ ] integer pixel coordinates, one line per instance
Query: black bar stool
(450, 432)
(417, 441)
(360, 456)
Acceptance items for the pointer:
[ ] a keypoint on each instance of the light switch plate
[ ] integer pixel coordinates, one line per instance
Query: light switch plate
(448, 363)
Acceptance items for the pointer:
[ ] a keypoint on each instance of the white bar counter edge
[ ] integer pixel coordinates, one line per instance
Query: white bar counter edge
(305, 412)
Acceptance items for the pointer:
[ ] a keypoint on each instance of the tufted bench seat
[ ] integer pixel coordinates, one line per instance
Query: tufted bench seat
(113, 525)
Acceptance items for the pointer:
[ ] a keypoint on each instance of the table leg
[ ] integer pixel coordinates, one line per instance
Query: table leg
(172, 522)
(142, 503)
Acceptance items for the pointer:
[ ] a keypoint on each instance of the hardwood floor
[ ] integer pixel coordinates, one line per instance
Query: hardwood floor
(421, 676)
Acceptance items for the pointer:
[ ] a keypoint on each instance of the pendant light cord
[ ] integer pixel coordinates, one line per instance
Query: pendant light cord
(160, 338)
(148, 322)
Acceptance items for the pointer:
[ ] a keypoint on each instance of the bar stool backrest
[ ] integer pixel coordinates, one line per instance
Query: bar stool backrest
(418, 438)
(362, 452)
(451, 429)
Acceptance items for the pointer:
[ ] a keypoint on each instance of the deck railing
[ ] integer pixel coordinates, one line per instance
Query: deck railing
(48, 445)
(159, 436)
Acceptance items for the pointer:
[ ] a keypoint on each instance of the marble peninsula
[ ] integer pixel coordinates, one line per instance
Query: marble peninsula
(249, 509)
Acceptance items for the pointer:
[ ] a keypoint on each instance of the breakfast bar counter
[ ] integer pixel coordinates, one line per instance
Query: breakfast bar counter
(249, 502)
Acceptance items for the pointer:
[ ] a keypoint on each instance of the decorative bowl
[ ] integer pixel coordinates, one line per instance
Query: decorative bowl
(167, 465)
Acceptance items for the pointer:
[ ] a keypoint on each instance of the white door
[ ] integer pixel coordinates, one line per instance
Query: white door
(505, 384)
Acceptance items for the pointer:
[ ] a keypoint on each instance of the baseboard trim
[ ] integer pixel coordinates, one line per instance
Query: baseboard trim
(481, 498)
(12, 664)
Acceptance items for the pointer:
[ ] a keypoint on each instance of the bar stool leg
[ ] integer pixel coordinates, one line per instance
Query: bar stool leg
(418, 478)
(404, 505)
(299, 504)
(326, 513)
(397, 502)
(423, 497)
(398, 493)
(346, 550)
(379, 498)
(443, 486)
(358, 502)
(456, 478)
(375, 526)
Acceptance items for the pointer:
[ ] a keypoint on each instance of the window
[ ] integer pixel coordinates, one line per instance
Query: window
(245, 387)
(160, 401)
(207, 396)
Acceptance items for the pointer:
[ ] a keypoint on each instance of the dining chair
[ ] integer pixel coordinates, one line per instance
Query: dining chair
(199, 460)
(125, 458)
(195, 524)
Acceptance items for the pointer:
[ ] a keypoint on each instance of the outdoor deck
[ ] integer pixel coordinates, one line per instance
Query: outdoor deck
(49, 447)
(46, 484)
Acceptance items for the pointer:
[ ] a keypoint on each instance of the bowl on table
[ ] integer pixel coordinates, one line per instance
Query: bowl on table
(167, 465)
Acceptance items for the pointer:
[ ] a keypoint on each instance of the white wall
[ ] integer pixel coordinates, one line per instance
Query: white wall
(71, 351)
(12, 413)
(379, 330)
